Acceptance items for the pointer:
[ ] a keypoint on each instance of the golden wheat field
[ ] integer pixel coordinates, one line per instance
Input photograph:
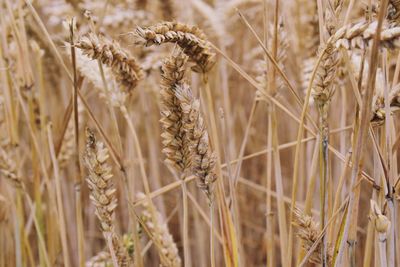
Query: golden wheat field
(199, 133)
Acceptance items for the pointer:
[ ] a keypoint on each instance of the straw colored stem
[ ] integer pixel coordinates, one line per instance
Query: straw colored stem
(137, 148)
(212, 245)
(78, 179)
(186, 244)
(323, 157)
(60, 208)
(283, 234)
(110, 246)
(41, 241)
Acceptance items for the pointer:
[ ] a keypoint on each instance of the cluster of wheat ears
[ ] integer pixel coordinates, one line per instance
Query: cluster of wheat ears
(199, 133)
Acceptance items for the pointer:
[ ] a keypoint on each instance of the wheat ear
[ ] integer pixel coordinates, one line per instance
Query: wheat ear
(359, 35)
(125, 68)
(176, 147)
(103, 258)
(190, 38)
(203, 158)
(102, 194)
(393, 14)
(159, 233)
(8, 169)
(308, 232)
(186, 141)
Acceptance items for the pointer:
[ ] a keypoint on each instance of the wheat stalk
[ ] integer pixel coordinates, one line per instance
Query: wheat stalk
(67, 149)
(185, 138)
(382, 226)
(322, 92)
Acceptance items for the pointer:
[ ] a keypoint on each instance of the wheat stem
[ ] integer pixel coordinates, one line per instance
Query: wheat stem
(212, 245)
(361, 135)
(185, 230)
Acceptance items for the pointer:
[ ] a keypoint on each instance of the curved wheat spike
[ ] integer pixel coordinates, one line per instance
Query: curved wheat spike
(124, 67)
(190, 38)
(360, 35)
